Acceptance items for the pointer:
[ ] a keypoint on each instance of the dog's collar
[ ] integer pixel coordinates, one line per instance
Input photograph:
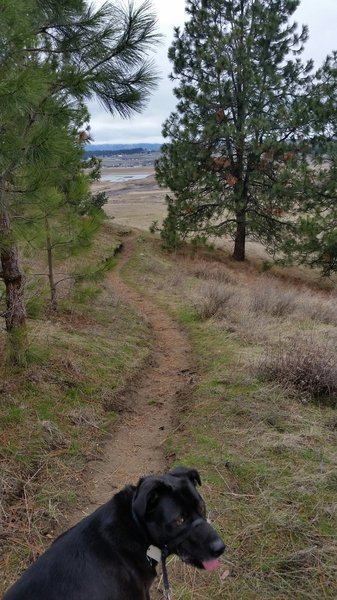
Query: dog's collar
(156, 554)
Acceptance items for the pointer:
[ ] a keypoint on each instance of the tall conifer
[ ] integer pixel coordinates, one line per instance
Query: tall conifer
(236, 140)
(54, 56)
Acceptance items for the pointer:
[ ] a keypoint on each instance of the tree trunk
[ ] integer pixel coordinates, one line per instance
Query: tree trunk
(53, 297)
(239, 253)
(14, 280)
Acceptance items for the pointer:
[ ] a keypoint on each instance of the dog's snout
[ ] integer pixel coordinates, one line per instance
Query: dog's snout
(217, 547)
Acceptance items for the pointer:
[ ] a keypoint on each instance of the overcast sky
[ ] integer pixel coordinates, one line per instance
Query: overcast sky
(319, 15)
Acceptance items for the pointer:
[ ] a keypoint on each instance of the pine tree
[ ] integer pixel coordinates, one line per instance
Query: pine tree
(54, 56)
(21, 88)
(51, 210)
(235, 150)
(312, 240)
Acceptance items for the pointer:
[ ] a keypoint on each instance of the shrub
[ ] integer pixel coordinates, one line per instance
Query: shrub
(270, 298)
(305, 364)
(319, 309)
(213, 297)
(211, 271)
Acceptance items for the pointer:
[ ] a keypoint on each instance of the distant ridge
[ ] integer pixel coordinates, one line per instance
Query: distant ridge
(122, 147)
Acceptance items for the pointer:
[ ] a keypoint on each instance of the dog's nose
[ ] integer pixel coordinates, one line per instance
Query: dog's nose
(217, 547)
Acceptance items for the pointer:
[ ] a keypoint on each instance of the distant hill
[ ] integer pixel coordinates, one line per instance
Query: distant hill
(122, 147)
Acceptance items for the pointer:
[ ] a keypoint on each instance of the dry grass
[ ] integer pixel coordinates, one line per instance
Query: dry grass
(55, 414)
(212, 299)
(210, 271)
(306, 364)
(317, 307)
(267, 459)
(270, 298)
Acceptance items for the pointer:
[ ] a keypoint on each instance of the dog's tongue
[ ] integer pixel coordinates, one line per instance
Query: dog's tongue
(210, 565)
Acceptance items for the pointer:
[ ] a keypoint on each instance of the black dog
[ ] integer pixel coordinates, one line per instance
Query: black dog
(106, 556)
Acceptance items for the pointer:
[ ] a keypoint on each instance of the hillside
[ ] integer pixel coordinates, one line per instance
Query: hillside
(263, 438)
(262, 426)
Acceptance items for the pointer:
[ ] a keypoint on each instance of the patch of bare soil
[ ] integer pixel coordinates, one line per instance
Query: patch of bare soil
(152, 400)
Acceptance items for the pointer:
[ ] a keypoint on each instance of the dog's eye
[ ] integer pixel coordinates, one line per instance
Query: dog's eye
(179, 521)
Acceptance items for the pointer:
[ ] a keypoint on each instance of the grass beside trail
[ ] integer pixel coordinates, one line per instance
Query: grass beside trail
(265, 446)
(54, 414)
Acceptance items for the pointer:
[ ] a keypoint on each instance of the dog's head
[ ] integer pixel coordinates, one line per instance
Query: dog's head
(173, 514)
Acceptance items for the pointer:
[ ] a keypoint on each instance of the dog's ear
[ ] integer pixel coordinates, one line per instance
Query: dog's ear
(191, 474)
(148, 493)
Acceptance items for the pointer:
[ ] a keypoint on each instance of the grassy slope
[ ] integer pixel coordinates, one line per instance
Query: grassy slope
(267, 456)
(54, 414)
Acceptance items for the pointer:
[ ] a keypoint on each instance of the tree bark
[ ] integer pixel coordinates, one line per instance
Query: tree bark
(239, 253)
(14, 280)
(53, 296)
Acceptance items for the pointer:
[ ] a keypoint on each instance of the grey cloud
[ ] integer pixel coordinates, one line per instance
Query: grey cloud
(146, 126)
(321, 17)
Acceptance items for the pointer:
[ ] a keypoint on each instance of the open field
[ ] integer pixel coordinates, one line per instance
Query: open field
(138, 203)
(134, 203)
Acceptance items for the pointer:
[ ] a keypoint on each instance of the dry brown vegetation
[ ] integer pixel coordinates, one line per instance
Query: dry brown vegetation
(261, 430)
(306, 364)
(212, 299)
(55, 414)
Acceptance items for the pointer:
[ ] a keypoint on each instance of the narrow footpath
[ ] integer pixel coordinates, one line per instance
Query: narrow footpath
(136, 446)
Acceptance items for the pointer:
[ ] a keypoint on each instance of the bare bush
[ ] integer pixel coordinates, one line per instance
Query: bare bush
(212, 298)
(210, 271)
(305, 364)
(175, 279)
(84, 415)
(10, 488)
(319, 309)
(270, 298)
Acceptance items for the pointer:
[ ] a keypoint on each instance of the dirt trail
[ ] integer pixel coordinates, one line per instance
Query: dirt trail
(136, 445)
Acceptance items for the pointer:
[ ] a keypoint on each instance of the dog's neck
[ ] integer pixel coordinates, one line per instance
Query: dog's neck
(123, 502)
(151, 553)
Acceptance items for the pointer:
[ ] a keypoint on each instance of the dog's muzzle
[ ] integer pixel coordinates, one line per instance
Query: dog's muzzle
(215, 548)
(173, 544)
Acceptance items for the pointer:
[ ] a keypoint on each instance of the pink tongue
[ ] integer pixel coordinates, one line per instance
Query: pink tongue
(210, 565)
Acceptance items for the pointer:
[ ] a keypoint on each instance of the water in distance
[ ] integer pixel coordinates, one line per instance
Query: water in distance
(121, 178)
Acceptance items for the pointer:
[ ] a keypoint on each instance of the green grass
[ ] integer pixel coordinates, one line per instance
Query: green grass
(13, 414)
(53, 413)
(187, 315)
(267, 460)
